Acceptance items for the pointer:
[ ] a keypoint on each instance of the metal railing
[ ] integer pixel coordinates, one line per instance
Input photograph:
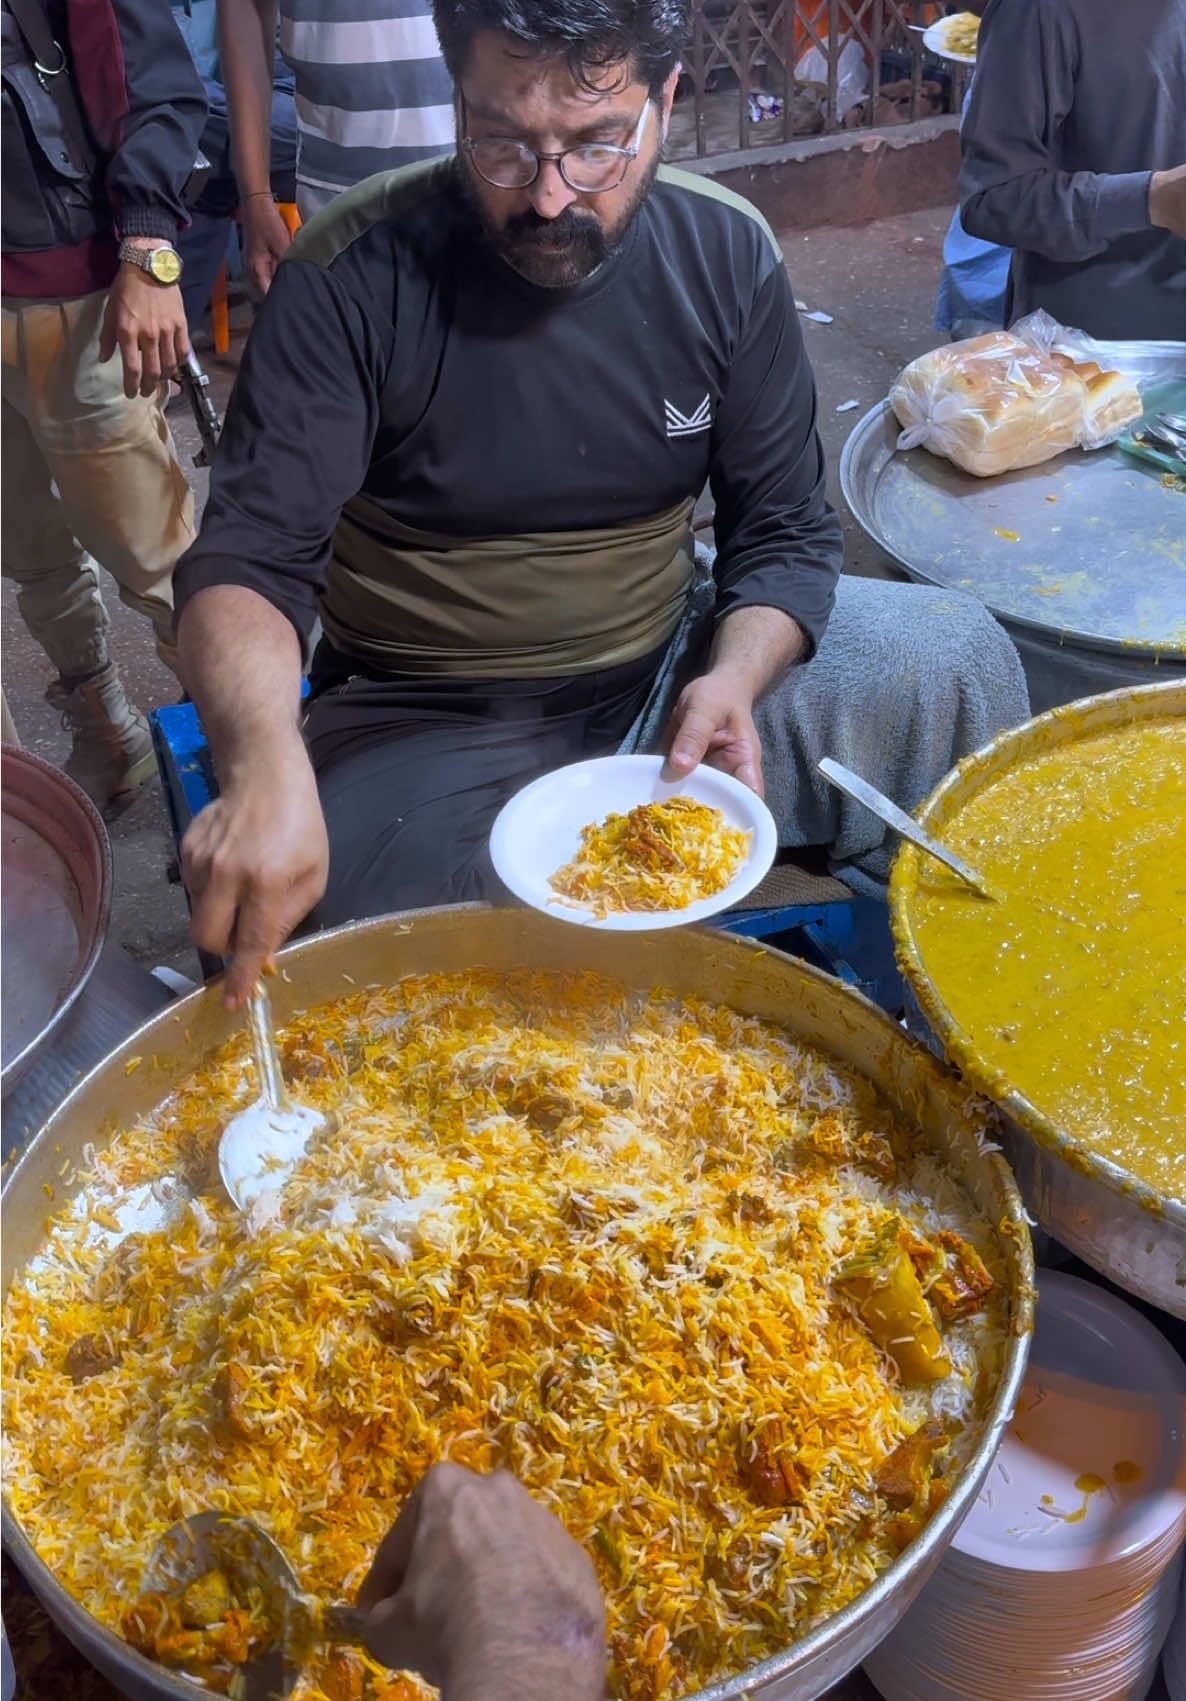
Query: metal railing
(761, 73)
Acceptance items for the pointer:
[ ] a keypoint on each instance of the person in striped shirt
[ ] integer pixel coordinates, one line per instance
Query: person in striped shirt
(372, 93)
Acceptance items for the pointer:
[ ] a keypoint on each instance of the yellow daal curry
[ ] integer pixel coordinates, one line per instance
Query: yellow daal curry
(1071, 986)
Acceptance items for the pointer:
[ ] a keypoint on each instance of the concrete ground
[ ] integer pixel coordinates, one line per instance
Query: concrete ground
(877, 281)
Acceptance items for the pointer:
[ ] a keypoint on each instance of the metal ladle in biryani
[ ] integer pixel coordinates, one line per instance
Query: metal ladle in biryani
(695, 1284)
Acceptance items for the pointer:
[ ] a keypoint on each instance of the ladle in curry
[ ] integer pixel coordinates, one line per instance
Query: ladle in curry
(845, 780)
(260, 1145)
(250, 1559)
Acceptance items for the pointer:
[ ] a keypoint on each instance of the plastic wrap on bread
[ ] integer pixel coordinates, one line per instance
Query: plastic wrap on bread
(1012, 398)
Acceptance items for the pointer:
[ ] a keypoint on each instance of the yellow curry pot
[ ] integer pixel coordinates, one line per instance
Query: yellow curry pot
(1063, 999)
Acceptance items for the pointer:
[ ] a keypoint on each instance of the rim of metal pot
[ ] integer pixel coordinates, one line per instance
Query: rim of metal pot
(16, 1066)
(85, 1630)
(1083, 717)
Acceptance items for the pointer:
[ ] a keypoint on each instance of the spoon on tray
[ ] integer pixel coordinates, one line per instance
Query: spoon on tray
(261, 1144)
(250, 1561)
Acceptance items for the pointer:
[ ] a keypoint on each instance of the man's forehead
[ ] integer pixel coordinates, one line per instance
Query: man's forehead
(503, 81)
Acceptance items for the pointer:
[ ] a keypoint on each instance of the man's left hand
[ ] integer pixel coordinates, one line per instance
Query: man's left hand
(146, 321)
(713, 722)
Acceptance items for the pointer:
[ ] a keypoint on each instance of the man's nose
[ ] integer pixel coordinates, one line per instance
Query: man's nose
(550, 194)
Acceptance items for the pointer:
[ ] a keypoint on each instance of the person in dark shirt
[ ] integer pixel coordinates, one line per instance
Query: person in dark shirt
(1074, 155)
(474, 414)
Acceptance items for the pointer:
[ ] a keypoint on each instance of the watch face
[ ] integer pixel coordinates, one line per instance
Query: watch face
(165, 265)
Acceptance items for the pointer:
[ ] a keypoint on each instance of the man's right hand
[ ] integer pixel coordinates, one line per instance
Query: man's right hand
(266, 240)
(255, 861)
(482, 1591)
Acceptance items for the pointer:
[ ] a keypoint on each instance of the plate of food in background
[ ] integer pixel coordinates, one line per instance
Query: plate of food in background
(954, 38)
(610, 843)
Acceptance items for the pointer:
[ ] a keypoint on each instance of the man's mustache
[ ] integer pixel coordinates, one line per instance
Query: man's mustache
(568, 227)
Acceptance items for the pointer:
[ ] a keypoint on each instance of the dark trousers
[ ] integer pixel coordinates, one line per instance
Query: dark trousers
(412, 771)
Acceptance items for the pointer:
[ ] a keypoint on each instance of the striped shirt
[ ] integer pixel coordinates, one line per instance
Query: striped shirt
(372, 91)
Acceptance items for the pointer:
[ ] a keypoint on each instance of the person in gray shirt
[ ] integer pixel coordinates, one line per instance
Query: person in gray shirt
(1074, 156)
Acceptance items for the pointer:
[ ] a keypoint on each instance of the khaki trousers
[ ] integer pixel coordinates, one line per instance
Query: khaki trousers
(88, 475)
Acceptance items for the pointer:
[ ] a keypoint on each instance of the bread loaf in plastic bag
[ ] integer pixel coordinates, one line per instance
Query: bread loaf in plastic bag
(1012, 398)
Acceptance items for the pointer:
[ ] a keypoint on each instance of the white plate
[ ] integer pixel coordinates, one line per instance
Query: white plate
(1103, 1386)
(934, 38)
(539, 830)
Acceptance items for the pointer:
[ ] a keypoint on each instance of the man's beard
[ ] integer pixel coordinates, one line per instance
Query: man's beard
(557, 253)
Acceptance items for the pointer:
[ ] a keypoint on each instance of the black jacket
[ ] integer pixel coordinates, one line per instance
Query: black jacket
(143, 106)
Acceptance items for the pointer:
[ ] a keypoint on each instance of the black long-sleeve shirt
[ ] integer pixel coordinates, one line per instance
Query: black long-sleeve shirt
(398, 358)
(1074, 105)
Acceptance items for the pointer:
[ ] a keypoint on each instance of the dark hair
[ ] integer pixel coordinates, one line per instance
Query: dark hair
(591, 34)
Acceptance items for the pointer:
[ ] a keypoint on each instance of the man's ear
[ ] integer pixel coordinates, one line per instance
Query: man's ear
(667, 99)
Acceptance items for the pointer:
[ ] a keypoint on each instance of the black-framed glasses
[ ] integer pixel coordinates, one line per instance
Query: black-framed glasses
(590, 168)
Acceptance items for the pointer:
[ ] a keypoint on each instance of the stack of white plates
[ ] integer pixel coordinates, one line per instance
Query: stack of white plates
(1063, 1582)
(1173, 1655)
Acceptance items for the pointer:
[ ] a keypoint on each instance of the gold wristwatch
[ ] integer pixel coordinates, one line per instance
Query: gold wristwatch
(162, 264)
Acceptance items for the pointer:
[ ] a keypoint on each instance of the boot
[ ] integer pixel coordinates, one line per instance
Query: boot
(111, 752)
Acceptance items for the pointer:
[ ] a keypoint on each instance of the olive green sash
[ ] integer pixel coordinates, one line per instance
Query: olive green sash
(505, 607)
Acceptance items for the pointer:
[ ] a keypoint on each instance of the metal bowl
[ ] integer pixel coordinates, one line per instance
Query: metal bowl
(696, 962)
(1116, 1223)
(56, 902)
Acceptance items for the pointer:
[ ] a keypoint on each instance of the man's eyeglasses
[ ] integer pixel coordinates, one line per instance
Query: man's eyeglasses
(590, 169)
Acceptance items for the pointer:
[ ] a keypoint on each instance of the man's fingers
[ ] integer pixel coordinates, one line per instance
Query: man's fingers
(256, 937)
(167, 356)
(212, 924)
(107, 337)
(150, 364)
(390, 1564)
(750, 774)
(690, 742)
(130, 349)
(393, 1638)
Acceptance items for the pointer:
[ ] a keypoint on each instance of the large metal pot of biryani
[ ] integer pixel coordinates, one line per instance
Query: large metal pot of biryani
(1126, 1215)
(813, 1008)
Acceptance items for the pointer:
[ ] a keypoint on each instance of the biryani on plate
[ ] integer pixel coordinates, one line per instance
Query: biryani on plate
(695, 1284)
(656, 856)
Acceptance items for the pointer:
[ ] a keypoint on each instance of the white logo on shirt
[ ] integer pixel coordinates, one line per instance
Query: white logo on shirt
(687, 424)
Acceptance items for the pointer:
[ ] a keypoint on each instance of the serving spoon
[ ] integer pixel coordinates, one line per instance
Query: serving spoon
(845, 780)
(249, 1558)
(260, 1145)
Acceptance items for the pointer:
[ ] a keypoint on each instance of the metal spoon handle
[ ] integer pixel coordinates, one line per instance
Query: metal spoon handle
(263, 1045)
(845, 780)
(341, 1623)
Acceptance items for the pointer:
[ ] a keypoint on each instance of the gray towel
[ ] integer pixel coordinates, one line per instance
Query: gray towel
(908, 679)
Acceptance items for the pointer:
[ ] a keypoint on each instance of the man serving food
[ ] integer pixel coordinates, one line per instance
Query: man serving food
(472, 419)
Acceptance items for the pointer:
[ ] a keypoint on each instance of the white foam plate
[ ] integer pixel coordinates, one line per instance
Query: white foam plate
(1103, 1386)
(539, 830)
(934, 39)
